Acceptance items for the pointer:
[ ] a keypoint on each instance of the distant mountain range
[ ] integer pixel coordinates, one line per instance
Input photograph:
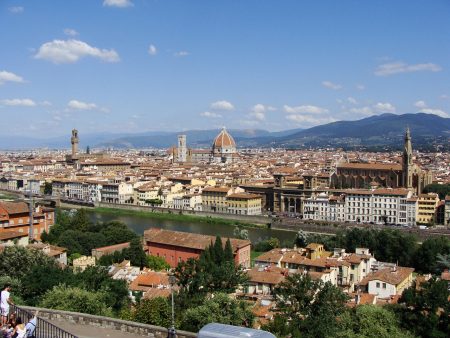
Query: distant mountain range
(429, 132)
(374, 132)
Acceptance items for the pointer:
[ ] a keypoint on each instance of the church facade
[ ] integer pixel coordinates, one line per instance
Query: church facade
(371, 175)
(223, 150)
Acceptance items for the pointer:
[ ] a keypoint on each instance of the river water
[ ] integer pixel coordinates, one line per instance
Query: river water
(140, 223)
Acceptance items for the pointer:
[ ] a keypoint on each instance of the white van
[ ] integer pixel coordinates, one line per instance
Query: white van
(216, 330)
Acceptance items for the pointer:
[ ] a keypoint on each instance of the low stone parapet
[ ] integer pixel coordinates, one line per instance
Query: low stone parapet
(84, 319)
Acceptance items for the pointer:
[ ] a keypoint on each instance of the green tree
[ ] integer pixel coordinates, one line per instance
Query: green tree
(41, 279)
(213, 271)
(117, 232)
(426, 257)
(157, 263)
(97, 279)
(307, 306)
(228, 251)
(80, 220)
(441, 189)
(47, 188)
(240, 233)
(155, 311)
(370, 321)
(218, 308)
(75, 299)
(426, 309)
(443, 261)
(136, 253)
(17, 262)
(301, 239)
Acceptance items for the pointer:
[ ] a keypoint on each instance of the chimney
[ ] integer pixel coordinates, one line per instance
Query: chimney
(357, 298)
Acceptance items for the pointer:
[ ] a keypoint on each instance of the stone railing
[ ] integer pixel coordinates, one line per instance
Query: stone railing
(84, 319)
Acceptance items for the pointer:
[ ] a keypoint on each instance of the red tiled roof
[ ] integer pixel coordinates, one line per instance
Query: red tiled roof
(188, 240)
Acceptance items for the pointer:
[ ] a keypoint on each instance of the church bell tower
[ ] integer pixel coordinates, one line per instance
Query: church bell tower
(407, 161)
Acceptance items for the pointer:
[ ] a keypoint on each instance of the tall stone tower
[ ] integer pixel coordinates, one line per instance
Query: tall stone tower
(74, 140)
(407, 161)
(182, 150)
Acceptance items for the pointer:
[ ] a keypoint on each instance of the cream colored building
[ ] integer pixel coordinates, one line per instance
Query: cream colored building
(244, 204)
(80, 264)
(426, 210)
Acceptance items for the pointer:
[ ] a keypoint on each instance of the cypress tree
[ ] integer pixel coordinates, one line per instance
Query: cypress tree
(218, 251)
(228, 251)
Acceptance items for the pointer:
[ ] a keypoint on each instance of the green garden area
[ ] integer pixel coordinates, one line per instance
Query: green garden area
(305, 307)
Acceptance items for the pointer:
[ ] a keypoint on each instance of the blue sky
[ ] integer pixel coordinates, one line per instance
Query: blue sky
(141, 65)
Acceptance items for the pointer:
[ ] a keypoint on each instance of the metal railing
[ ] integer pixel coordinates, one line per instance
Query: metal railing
(44, 329)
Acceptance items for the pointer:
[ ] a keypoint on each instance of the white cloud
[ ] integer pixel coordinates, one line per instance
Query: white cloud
(222, 105)
(152, 50)
(365, 111)
(259, 112)
(384, 107)
(210, 115)
(79, 105)
(304, 109)
(387, 69)
(379, 107)
(16, 9)
(70, 51)
(360, 87)
(420, 104)
(9, 77)
(181, 53)
(423, 108)
(18, 102)
(117, 3)
(70, 32)
(309, 120)
(352, 100)
(331, 85)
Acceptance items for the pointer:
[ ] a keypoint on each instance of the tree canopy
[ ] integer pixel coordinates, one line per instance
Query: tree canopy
(307, 307)
(215, 270)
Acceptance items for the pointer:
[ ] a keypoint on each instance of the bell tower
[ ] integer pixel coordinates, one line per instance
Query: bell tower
(407, 161)
(74, 140)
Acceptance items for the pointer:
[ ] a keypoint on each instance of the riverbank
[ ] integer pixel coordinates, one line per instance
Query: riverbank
(175, 216)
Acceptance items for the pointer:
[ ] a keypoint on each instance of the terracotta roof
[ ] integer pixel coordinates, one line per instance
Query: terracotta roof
(224, 139)
(188, 240)
(272, 256)
(153, 278)
(15, 207)
(6, 235)
(369, 166)
(388, 275)
(154, 293)
(113, 247)
(270, 275)
(243, 195)
(217, 189)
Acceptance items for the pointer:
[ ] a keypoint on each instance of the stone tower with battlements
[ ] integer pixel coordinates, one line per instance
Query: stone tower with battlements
(74, 140)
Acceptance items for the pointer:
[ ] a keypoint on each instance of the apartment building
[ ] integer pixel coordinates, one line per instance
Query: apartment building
(243, 204)
(379, 206)
(15, 216)
(427, 205)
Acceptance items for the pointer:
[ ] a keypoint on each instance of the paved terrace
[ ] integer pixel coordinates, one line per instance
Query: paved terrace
(89, 326)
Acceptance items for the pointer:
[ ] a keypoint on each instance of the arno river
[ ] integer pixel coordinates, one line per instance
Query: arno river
(139, 224)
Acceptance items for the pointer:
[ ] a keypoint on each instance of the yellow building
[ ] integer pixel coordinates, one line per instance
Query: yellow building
(426, 209)
(244, 204)
(80, 264)
(215, 198)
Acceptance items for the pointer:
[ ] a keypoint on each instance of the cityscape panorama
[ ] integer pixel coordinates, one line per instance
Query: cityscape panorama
(220, 168)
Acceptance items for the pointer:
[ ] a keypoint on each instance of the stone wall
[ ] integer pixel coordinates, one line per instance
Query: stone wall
(82, 319)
